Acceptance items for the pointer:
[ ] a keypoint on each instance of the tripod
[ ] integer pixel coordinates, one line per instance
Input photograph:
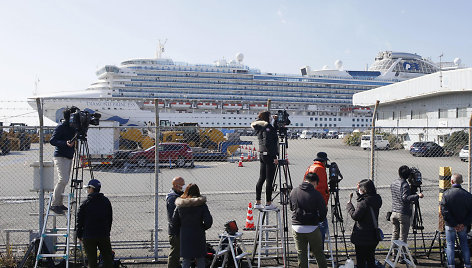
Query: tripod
(417, 224)
(337, 220)
(80, 160)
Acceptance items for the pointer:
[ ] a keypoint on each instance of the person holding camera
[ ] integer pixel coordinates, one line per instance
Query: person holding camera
(308, 209)
(366, 215)
(192, 218)
(268, 151)
(63, 155)
(319, 168)
(456, 209)
(402, 200)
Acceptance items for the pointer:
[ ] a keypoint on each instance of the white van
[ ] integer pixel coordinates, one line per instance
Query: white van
(380, 142)
(306, 134)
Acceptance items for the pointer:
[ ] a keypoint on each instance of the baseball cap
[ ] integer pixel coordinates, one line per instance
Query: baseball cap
(95, 184)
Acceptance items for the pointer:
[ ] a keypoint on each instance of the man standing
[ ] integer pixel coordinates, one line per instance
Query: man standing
(456, 209)
(94, 221)
(319, 168)
(402, 200)
(309, 209)
(177, 190)
(63, 155)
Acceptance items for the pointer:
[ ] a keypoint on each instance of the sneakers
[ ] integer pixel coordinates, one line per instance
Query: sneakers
(258, 206)
(57, 210)
(270, 207)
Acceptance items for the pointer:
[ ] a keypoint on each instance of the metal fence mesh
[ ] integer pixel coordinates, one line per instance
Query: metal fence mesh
(224, 164)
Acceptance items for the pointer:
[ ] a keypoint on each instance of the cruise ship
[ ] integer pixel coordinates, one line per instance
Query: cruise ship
(229, 94)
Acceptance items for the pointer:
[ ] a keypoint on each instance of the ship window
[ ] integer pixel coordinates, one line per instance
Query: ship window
(353, 120)
(334, 119)
(334, 125)
(326, 119)
(339, 119)
(311, 118)
(330, 119)
(353, 125)
(329, 124)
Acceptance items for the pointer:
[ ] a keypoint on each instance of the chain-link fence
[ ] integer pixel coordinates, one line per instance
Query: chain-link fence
(224, 164)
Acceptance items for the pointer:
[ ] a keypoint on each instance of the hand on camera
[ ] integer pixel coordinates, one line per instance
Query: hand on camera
(420, 195)
(276, 161)
(350, 198)
(71, 143)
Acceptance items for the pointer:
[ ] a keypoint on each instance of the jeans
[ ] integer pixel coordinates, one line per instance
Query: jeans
(365, 256)
(451, 242)
(266, 174)
(173, 261)
(301, 243)
(104, 245)
(401, 226)
(324, 228)
(200, 262)
(63, 165)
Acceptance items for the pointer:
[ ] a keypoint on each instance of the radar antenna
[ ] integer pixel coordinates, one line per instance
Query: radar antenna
(161, 48)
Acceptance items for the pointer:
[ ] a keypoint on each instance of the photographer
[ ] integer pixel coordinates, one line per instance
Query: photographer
(63, 155)
(319, 167)
(402, 200)
(268, 151)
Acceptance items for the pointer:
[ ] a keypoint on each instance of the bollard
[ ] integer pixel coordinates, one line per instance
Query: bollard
(444, 184)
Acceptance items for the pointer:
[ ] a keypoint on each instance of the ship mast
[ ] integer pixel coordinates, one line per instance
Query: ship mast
(160, 48)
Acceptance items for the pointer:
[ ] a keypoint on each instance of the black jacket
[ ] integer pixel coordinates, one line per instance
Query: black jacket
(95, 217)
(170, 203)
(456, 206)
(267, 136)
(307, 205)
(60, 136)
(363, 232)
(192, 217)
(402, 198)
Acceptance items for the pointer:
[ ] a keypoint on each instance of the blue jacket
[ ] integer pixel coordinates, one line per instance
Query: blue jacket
(95, 217)
(61, 135)
(456, 206)
(170, 204)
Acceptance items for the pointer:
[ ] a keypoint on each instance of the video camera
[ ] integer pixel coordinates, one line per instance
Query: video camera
(281, 122)
(80, 121)
(334, 177)
(415, 179)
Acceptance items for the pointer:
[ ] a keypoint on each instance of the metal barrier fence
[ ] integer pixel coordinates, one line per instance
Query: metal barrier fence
(224, 164)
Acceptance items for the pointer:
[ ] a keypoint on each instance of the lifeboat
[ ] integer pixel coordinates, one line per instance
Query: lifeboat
(151, 103)
(361, 109)
(181, 104)
(207, 105)
(258, 106)
(236, 106)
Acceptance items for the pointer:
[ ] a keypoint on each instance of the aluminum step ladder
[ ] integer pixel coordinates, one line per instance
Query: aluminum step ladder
(329, 250)
(399, 249)
(231, 242)
(269, 241)
(55, 232)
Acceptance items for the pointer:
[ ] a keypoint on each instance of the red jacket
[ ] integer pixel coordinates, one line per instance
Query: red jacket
(320, 170)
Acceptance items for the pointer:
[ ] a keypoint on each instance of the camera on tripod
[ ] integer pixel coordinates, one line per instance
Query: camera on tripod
(335, 176)
(415, 179)
(282, 120)
(80, 121)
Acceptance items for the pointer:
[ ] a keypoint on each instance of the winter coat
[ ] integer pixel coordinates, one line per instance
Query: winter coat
(402, 198)
(363, 232)
(192, 218)
(267, 136)
(95, 217)
(307, 205)
(320, 170)
(456, 206)
(63, 133)
(170, 203)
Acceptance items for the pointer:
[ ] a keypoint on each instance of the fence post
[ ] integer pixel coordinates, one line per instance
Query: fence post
(156, 174)
(444, 184)
(469, 169)
(372, 141)
(41, 162)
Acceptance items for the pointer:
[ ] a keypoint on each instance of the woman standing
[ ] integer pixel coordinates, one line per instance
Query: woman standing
(268, 150)
(192, 218)
(363, 234)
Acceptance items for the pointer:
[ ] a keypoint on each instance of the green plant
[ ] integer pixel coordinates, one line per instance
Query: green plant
(456, 141)
(354, 139)
(7, 260)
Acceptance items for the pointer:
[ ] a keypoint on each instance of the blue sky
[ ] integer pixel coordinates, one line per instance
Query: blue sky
(63, 43)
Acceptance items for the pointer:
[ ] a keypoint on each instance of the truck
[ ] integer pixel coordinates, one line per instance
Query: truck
(380, 142)
(103, 142)
(225, 149)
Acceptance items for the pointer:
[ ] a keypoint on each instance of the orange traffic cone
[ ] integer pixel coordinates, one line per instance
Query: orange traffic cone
(240, 164)
(249, 219)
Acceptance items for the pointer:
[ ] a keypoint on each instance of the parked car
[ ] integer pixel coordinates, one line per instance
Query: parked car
(464, 153)
(332, 134)
(380, 142)
(178, 154)
(306, 134)
(426, 148)
(293, 135)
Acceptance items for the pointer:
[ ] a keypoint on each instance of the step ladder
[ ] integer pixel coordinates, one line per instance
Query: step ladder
(330, 249)
(228, 245)
(269, 241)
(400, 250)
(55, 232)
